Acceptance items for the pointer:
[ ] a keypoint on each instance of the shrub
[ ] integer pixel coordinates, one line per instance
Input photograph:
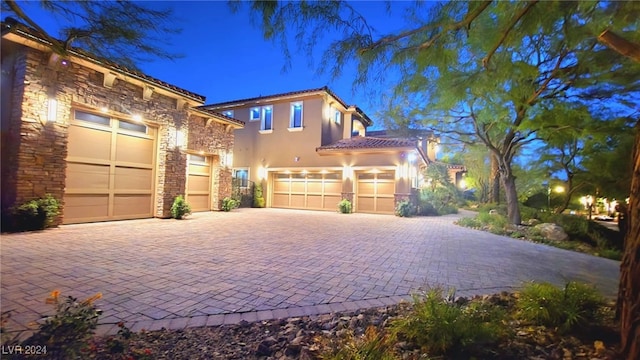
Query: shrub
(67, 333)
(371, 346)
(441, 326)
(258, 197)
(37, 214)
(545, 304)
(229, 204)
(180, 208)
(404, 208)
(344, 206)
(440, 200)
(470, 222)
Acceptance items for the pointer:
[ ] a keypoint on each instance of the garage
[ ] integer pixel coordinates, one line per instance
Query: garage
(110, 169)
(312, 191)
(375, 192)
(199, 183)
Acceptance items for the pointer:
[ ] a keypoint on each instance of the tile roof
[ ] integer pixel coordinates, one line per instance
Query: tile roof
(32, 34)
(286, 94)
(367, 142)
(223, 117)
(325, 89)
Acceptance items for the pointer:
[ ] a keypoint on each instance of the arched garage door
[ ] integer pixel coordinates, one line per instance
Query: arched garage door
(375, 192)
(312, 191)
(110, 169)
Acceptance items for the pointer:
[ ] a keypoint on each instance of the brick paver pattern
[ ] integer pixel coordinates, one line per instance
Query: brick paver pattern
(257, 264)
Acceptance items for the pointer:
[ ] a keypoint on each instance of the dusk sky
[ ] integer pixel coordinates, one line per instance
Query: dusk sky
(227, 58)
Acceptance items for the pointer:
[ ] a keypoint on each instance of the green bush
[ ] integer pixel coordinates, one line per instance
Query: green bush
(404, 208)
(470, 222)
(441, 200)
(66, 334)
(229, 204)
(37, 214)
(344, 206)
(373, 345)
(180, 208)
(258, 196)
(545, 304)
(440, 326)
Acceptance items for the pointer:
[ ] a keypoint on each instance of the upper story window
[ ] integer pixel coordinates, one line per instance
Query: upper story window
(295, 121)
(337, 116)
(266, 120)
(254, 114)
(228, 113)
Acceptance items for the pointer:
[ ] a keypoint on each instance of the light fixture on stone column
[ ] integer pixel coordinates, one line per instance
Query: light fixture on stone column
(180, 141)
(52, 110)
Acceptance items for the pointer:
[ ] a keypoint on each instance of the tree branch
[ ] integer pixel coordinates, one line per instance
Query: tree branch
(512, 24)
(620, 45)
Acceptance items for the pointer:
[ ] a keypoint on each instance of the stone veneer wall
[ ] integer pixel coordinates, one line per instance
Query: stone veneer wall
(217, 140)
(40, 150)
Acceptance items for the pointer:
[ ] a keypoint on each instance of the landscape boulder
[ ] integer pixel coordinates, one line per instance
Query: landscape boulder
(552, 232)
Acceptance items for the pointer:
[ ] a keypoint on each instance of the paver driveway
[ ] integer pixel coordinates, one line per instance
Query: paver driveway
(255, 264)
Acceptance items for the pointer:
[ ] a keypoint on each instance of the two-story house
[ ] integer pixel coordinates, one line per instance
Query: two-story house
(309, 149)
(106, 141)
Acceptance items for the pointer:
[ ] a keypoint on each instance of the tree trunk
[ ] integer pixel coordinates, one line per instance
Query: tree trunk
(495, 180)
(511, 195)
(629, 291)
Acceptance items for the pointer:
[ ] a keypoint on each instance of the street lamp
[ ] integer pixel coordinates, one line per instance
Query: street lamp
(558, 189)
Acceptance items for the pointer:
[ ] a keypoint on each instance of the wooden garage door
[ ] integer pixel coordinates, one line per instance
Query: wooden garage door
(199, 183)
(313, 191)
(110, 169)
(375, 192)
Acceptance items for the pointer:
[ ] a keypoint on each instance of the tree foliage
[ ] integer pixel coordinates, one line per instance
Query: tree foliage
(121, 31)
(479, 72)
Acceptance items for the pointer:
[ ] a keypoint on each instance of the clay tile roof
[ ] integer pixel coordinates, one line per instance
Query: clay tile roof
(219, 115)
(359, 142)
(32, 34)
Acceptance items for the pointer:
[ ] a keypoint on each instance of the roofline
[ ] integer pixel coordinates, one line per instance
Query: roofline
(44, 45)
(286, 95)
(218, 117)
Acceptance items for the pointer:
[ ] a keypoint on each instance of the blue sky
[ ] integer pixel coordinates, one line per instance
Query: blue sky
(226, 57)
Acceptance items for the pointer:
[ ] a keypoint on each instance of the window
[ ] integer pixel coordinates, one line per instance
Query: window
(93, 118)
(228, 113)
(254, 114)
(266, 121)
(241, 177)
(133, 127)
(295, 122)
(197, 159)
(337, 116)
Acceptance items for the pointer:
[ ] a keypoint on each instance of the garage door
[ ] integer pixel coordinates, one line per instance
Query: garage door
(375, 192)
(313, 191)
(110, 169)
(199, 183)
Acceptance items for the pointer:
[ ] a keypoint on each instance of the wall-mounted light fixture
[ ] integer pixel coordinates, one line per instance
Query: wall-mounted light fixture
(180, 138)
(52, 110)
(296, 159)
(228, 159)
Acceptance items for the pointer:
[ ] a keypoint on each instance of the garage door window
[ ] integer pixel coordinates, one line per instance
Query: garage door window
(133, 127)
(93, 118)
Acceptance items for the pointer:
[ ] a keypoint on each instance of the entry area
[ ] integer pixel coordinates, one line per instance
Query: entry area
(199, 183)
(312, 191)
(110, 169)
(375, 192)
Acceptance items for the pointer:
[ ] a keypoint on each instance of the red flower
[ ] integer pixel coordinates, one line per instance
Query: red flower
(147, 351)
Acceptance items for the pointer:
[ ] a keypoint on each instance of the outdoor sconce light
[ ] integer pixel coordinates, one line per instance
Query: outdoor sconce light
(180, 141)
(296, 159)
(228, 160)
(52, 110)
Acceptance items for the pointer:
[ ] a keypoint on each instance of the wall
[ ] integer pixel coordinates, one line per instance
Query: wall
(37, 149)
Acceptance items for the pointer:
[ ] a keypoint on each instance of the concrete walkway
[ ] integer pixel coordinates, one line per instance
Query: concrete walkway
(258, 264)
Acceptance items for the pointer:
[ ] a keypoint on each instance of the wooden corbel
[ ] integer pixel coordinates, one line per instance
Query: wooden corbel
(109, 79)
(147, 91)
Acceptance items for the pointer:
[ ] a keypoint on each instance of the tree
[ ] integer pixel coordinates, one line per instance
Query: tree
(468, 81)
(485, 70)
(121, 31)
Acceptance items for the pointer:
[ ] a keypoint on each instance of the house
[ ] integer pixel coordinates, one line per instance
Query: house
(309, 150)
(109, 142)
